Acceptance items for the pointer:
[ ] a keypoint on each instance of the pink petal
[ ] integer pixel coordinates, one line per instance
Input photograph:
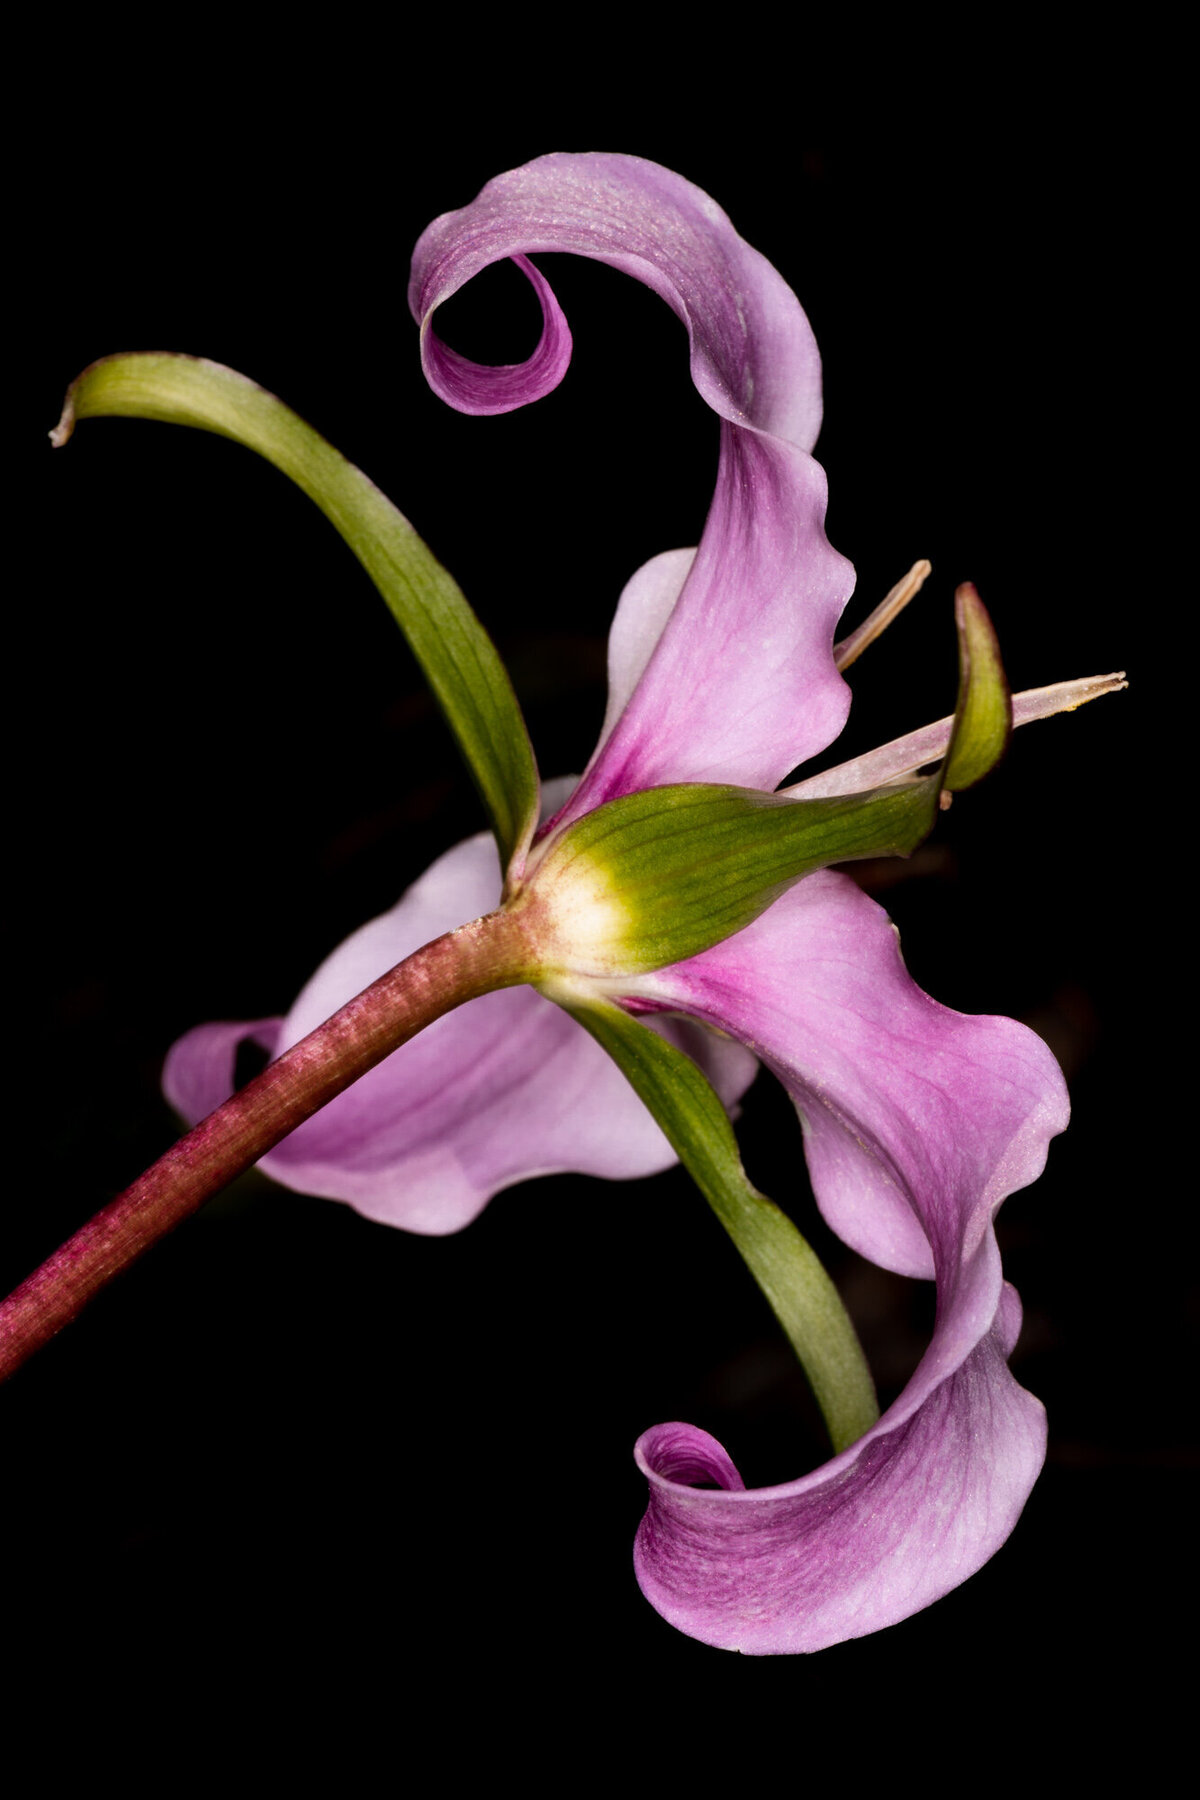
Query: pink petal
(895, 1522)
(740, 683)
(918, 1122)
(503, 1089)
(647, 602)
(909, 1109)
(198, 1074)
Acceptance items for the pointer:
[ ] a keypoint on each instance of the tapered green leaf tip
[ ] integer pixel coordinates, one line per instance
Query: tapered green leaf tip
(456, 655)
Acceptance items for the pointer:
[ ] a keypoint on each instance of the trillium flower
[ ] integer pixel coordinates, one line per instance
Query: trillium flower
(724, 676)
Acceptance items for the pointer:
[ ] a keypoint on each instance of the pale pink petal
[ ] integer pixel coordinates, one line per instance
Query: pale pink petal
(503, 1089)
(740, 685)
(910, 1110)
(198, 1074)
(918, 1122)
(647, 602)
(893, 1523)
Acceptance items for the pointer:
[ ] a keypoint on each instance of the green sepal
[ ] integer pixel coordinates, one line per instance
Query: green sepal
(800, 1293)
(655, 877)
(670, 871)
(983, 715)
(456, 655)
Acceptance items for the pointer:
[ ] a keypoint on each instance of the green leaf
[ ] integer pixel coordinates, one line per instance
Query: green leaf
(801, 1295)
(655, 877)
(456, 655)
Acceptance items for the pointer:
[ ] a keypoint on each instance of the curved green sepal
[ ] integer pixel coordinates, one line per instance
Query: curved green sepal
(456, 655)
(801, 1295)
(983, 715)
(655, 877)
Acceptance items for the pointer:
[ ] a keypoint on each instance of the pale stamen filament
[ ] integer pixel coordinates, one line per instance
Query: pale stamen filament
(889, 608)
(891, 762)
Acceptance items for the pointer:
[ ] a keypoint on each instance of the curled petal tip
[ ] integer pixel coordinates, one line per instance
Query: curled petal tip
(882, 1531)
(199, 1073)
(918, 1122)
(686, 1455)
(737, 680)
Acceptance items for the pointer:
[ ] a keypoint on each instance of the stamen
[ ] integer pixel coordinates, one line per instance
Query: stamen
(894, 603)
(897, 761)
(1064, 696)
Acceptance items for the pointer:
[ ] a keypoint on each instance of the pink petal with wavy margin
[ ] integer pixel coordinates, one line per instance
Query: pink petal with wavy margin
(501, 1090)
(918, 1122)
(741, 684)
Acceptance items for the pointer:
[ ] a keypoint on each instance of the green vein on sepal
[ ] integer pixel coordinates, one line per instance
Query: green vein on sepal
(457, 657)
(799, 1291)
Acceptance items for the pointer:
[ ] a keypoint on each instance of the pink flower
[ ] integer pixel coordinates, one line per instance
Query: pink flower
(917, 1121)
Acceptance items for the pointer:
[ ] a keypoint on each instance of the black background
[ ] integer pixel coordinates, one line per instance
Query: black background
(296, 1447)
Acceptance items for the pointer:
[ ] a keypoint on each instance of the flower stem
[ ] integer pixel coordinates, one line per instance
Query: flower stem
(489, 953)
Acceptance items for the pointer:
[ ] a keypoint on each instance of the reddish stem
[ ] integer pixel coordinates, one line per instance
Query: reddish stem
(486, 954)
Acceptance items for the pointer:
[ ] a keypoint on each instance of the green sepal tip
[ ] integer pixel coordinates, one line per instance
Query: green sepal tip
(983, 714)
